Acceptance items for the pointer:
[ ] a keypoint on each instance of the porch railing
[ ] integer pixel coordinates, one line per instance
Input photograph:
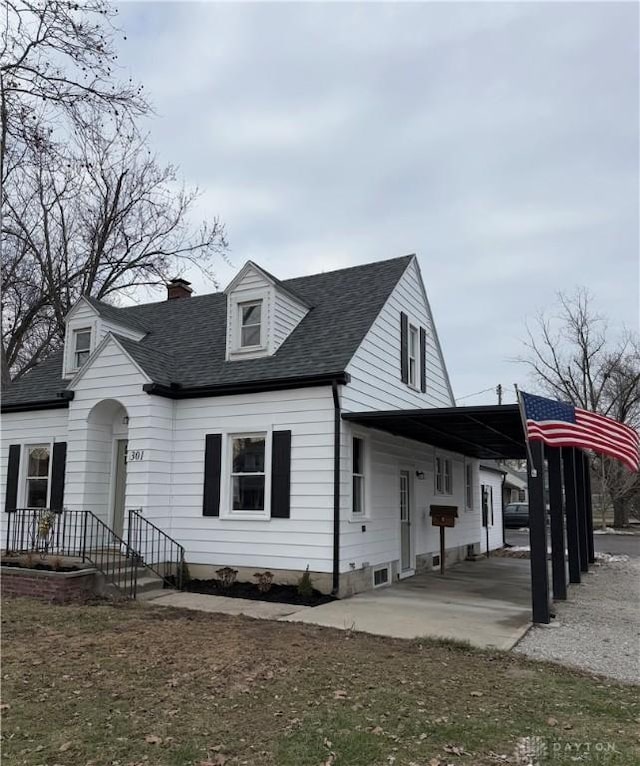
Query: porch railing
(78, 534)
(157, 550)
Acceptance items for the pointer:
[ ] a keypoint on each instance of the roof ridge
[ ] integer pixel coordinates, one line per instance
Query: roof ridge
(408, 256)
(351, 268)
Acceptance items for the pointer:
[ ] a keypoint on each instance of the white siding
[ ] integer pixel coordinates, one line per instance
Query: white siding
(386, 457)
(113, 376)
(287, 315)
(375, 367)
(306, 537)
(38, 427)
(494, 480)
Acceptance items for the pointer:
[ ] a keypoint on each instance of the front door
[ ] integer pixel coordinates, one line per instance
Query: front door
(120, 486)
(405, 521)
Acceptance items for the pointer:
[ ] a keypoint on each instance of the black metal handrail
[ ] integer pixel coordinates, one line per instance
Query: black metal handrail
(78, 534)
(157, 550)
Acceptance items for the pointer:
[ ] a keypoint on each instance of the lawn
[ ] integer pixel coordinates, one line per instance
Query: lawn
(137, 685)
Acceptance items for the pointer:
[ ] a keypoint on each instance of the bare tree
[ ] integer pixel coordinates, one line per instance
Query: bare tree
(58, 60)
(85, 207)
(100, 221)
(572, 356)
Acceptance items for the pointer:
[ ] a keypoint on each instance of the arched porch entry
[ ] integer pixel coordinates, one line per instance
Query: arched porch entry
(106, 476)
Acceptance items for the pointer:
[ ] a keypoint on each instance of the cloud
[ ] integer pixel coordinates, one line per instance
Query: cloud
(498, 141)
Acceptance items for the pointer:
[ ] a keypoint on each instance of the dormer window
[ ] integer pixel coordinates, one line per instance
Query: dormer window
(261, 313)
(250, 324)
(81, 346)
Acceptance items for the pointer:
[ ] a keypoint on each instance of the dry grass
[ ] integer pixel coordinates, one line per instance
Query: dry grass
(141, 685)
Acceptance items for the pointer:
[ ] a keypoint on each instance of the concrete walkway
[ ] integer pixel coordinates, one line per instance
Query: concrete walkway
(485, 602)
(201, 602)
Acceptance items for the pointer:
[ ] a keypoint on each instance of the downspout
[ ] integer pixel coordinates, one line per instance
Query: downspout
(336, 487)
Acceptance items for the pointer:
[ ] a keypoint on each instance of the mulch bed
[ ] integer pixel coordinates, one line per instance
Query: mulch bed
(284, 594)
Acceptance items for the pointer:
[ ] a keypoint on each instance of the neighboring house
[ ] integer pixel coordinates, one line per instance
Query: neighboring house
(219, 417)
(492, 476)
(515, 489)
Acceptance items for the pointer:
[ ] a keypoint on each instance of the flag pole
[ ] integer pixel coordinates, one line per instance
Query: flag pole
(523, 417)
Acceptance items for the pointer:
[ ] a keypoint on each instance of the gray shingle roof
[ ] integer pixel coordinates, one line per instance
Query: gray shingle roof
(115, 314)
(185, 340)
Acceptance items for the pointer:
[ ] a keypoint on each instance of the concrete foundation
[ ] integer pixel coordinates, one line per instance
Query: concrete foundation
(351, 582)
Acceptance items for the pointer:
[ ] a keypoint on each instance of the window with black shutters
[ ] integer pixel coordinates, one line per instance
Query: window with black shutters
(37, 476)
(248, 477)
(358, 476)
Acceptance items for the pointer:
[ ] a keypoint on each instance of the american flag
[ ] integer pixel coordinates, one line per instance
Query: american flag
(560, 424)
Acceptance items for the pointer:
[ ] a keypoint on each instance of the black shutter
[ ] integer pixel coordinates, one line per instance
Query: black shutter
(13, 470)
(58, 464)
(281, 475)
(423, 359)
(404, 347)
(212, 471)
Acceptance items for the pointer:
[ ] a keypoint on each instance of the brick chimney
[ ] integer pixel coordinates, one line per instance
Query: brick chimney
(178, 288)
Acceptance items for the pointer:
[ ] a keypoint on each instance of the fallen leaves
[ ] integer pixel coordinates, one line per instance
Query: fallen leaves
(339, 694)
(216, 760)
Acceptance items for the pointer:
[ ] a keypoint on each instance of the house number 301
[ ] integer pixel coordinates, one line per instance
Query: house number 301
(135, 455)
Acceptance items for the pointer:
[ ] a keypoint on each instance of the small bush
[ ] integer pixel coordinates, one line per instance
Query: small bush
(57, 564)
(265, 581)
(28, 560)
(305, 586)
(227, 576)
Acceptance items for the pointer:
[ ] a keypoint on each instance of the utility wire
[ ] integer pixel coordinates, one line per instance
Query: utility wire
(477, 393)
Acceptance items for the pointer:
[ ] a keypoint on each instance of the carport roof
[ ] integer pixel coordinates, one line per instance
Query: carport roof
(493, 431)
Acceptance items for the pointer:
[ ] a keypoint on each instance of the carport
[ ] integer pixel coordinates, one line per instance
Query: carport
(496, 432)
(485, 602)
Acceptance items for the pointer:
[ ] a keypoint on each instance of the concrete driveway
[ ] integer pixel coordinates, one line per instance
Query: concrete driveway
(487, 603)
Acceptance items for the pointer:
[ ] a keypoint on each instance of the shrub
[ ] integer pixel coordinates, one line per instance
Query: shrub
(265, 581)
(305, 586)
(227, 576)
(57, 564)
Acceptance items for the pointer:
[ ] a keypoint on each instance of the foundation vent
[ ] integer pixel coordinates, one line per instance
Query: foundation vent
(380, 576)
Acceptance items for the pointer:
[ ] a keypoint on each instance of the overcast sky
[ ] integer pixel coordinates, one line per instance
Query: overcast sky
(499, 142)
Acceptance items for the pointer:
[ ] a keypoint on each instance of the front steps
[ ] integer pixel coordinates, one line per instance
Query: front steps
(117, 573)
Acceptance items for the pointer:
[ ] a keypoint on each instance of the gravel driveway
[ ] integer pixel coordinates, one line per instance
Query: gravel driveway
(598, 628)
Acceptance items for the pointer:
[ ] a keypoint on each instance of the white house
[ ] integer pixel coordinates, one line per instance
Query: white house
(225, 419)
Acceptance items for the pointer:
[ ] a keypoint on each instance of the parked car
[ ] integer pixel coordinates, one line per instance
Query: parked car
(516, 515)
